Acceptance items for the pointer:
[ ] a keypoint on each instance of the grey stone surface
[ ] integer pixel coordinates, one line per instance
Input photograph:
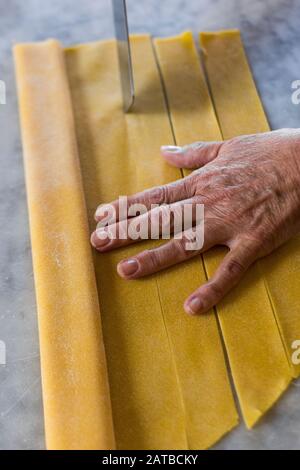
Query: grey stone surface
(271, 34)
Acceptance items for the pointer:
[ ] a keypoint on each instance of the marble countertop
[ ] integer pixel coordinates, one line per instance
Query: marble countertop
(271, 34)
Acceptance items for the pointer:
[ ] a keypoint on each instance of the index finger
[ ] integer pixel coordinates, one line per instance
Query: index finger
(165, 194)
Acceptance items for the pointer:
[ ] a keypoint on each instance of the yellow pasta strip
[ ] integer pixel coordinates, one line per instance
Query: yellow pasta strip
(256, 354)
(168, 378)
(75, 385)
(281, 272)
(240, 112)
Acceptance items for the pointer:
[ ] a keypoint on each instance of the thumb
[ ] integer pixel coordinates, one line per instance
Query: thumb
(229, 273)
(192, 156)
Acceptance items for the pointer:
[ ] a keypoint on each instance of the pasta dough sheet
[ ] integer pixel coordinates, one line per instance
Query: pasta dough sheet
(137, 373)
(255, 351)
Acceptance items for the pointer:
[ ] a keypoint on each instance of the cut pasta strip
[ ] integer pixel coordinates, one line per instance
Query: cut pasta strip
(256, 354)
(235, 93)
(75, 384)
(168, 378)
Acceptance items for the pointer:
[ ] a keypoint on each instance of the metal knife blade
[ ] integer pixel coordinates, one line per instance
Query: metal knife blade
(124, 53)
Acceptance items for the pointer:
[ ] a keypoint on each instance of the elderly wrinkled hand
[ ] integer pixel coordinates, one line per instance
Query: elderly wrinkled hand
(250, 188)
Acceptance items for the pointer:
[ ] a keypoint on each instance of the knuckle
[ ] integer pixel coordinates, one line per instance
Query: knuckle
(181, 248)
(157, 195)
(165, 194)
(234, 268)
(188, 186)
(153, 259)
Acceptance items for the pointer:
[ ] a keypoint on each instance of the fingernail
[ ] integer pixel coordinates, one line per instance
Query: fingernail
(194, 305)
(128, 268)
(172, 149)
(103, 238)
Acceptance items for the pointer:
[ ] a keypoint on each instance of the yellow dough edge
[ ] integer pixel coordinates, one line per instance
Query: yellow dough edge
(74, 376)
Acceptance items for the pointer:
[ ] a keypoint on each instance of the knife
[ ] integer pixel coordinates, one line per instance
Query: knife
(124, 53)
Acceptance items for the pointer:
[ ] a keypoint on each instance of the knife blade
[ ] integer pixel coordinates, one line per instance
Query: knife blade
(124, 53)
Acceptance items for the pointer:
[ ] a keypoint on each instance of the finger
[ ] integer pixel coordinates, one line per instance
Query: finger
(165, 194)
(174, 252)
(229, 273)
(163, 221)
(192, 156)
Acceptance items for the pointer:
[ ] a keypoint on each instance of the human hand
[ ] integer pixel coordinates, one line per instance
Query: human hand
(250, 187)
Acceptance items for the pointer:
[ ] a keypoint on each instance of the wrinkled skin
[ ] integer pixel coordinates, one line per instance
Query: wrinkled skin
(250, 187)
